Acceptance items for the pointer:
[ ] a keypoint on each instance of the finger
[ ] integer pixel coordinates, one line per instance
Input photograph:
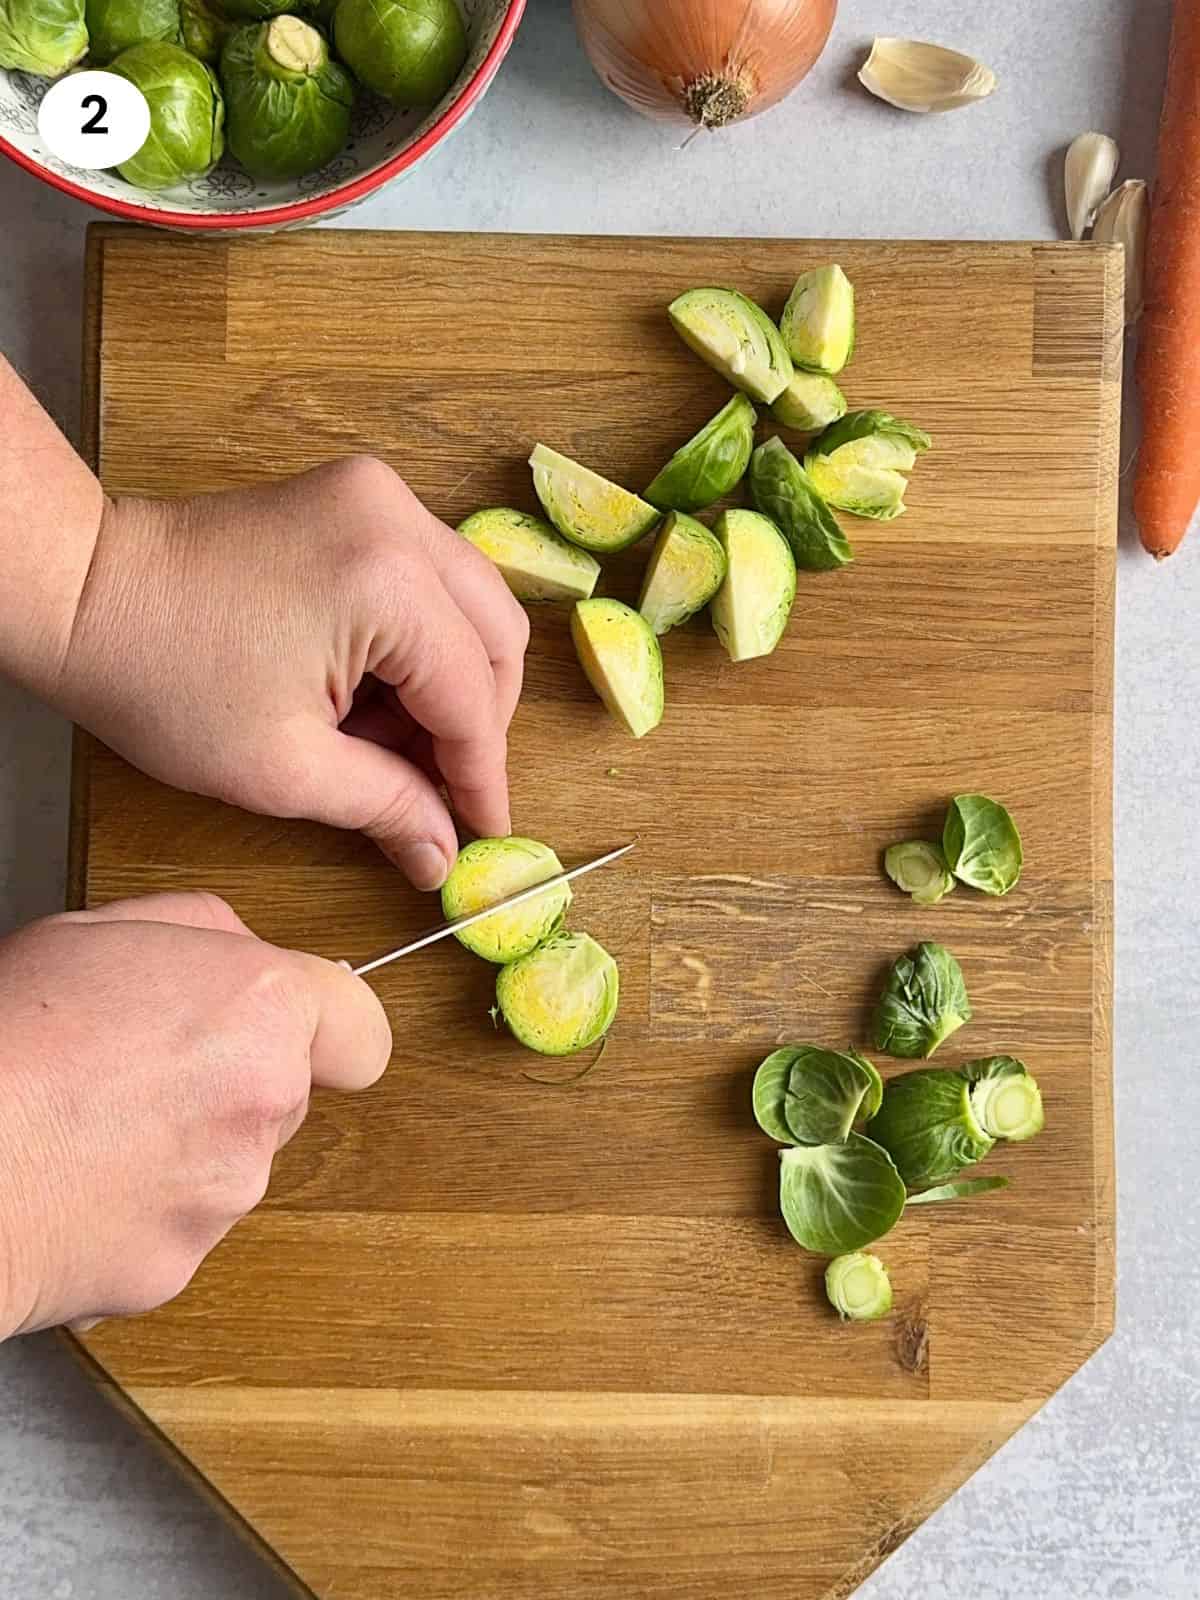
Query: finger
(386, 722)
(183, 909)
(351, 1038)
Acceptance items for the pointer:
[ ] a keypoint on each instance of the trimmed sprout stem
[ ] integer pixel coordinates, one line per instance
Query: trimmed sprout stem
(858, 1287)
(1008, 1107)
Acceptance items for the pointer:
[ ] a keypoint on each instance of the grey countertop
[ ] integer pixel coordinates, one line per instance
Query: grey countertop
(1096, 1498)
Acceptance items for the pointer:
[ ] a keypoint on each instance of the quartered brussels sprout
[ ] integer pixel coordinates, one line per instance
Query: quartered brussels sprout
(587, 509)
(736, 337)
(687, 567)
(561, 997)
(115, 25)
(937, 1121)
(751, 608)
(488, 870)
(187, 115)
(923, 1002)
(619, 652)
(839, 1197)
(287, 102)
(818, 321)
(710, 464)
(804, 1094)
(919, 869)
(982, 844)
(203, 30)
(535, 562)
(44, 37)
(782, 490)
(410, 51)
(858, 1287)
(858, 463)
(812, 400)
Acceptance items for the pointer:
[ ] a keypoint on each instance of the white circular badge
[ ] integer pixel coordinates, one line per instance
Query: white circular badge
(94, 119)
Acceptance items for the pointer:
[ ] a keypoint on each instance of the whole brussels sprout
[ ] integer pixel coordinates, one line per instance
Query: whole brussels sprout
(45, 37)
(116, 25)
(410, 51)
(187, 115)
(288, 103)
(203, 31)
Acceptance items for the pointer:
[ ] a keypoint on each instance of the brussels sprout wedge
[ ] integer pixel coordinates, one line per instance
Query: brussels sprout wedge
(751, 608)
(619, 652)
(42, 37)
(187, 115)
(687, 567)
(839, 1197)
(858, 1287)
(982, 845)
(710, 464)
(488, 870)
(561, 997)
(811, 401)
(858, 463)
(410, 51)
(735, 337)
(586, 508)
(287, 102)
(782, 490)
(923, 1002)
(116, 25)
(535, 561)
(818, 321)
(919, 869)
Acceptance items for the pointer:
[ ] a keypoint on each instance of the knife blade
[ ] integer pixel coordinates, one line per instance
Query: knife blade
(445, 929)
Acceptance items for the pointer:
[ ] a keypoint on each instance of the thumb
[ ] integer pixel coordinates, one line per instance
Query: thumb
(360, 784)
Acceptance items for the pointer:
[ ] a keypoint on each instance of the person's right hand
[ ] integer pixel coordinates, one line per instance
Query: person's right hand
(154, 1056)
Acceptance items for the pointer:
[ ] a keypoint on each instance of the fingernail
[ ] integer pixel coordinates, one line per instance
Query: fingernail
(423, 865)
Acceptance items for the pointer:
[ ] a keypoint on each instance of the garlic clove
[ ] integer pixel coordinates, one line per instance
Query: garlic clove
(1092, 160)
(1123, 219)
(924, 77)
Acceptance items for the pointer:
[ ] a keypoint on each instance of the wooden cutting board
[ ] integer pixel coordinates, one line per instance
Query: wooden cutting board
(491, 1337)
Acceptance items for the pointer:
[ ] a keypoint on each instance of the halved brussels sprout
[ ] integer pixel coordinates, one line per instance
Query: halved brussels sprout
(812, 400)
(43, 37)
(736, 337)
(116, 25)
(982, 844)
(587, 509)
(923, 1002)
(782, 490)
(287, 101)
(535, 562)
(411, 51)
(687, 567)
(488, 870)
(619, 653)
(752, 606)
(858, 464)
(858, 1287)
(710, 464)
(561, 997)
(818, 320)
(839, 1197)
(187, 115)
(203, 30)
(919, 869)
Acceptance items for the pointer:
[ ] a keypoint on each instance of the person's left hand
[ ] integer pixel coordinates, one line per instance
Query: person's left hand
(323, 647)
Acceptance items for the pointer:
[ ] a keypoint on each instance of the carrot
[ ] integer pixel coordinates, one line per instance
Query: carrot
(1168, 365)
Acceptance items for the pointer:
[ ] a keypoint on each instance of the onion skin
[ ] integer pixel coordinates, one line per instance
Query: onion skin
(703, 63)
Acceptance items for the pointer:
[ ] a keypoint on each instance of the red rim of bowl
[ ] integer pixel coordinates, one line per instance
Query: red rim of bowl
(298, 210)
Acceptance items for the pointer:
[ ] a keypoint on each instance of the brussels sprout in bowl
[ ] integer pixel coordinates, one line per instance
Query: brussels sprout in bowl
(385, 139)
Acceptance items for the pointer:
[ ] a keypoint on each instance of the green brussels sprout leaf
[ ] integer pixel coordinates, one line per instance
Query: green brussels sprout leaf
(839, 1197)
(43, 37)
(782, 490)
(562, 996)
(736, 337)
(961, 1189)
(818, 321)
(534, 560)
(619, 652)
(809, 402)
(828, 1091)
(982, 845)
(928, 1126)
(923, 1002)
(751, 608)
(919, 869)
(858, 1287)
(187, 115)
(287, 102)
(587, 509)
(686, 568)
(769, 1091)
(709, 464)
(115, 25)
(488, 870)
(410, 51)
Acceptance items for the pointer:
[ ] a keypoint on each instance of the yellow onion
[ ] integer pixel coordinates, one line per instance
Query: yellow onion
(704, 62)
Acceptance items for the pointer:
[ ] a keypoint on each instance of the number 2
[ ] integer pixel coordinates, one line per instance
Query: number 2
(94, 124)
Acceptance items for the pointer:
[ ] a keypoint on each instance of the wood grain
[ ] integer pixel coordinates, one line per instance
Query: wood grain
(513, 1339)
